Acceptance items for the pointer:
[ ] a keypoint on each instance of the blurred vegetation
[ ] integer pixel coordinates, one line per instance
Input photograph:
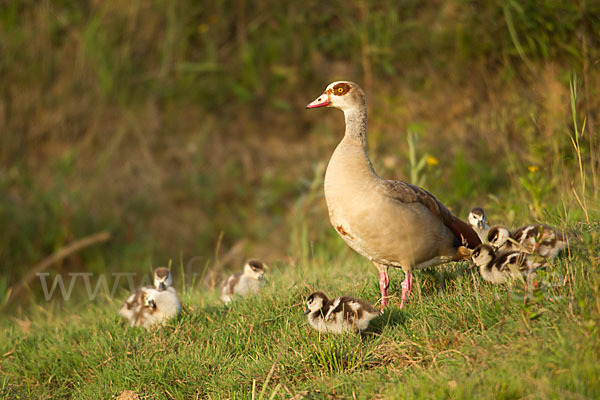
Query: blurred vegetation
(178, 126)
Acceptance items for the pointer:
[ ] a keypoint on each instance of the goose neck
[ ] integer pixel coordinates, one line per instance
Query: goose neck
(356, 124)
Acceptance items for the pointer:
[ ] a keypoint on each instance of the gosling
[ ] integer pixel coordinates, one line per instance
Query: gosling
(342, 314)
(536, 239)
(244, 283)
(478, 221)
(142, 301)
(496, 268)
(159, 306)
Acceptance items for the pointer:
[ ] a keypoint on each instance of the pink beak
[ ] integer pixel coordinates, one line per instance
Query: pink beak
(321, 101)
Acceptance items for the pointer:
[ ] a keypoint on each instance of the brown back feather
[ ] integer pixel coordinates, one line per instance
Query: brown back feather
(407, 193)
(464, 233)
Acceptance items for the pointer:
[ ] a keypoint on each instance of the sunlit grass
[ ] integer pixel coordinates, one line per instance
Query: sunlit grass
(178, 128)
(458, 337)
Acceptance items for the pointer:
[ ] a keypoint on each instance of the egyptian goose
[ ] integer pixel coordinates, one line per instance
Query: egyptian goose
(538, 239)
(158, 307)
(342, 314)
(244, 283)
(478, 222)
(134, 303)
(495, 267)
(391, 223)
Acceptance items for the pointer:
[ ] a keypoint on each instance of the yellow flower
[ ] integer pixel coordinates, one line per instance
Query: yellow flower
(533, 168)
(432, 161)
(203, 28)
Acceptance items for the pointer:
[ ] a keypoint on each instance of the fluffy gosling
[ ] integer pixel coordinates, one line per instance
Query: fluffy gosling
(496, 267)
(536, 239)
(243, 283)
(158, 307)
(142, 302)
(478, 221)
(133, 304)
(342, 314)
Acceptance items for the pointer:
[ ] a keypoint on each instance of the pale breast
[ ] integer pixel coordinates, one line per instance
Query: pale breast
(247, 286)
(388, 232)
(378, 227)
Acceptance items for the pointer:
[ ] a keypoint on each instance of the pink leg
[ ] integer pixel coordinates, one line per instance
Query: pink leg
(384, 284)
(407, 285)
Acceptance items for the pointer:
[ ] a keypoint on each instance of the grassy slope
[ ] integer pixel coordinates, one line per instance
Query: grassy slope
(469, 340)
(463, 85)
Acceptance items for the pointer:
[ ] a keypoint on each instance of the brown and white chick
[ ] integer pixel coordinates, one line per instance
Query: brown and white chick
(158, 307)
(536, 239)
(245, 283)
(342, 314)
(133, 304)
(138, 304)
(478, 221)
(496, 267)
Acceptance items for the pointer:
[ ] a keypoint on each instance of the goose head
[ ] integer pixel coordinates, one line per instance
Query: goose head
(315, 302)
(340, 94)
(477, 218)
(254, 269)
(162, 278)
(482, 255)
(498, 236)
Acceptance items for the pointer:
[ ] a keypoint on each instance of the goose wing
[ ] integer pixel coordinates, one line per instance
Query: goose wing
(407, 193)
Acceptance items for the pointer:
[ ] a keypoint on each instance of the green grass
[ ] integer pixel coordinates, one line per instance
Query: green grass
(459, 337)
(178, 127)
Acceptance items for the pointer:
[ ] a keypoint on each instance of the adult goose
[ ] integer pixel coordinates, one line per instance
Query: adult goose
(392, 223)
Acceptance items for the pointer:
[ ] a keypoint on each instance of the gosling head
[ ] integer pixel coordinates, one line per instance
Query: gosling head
(148, 300)
(498, 236)
(482, 255)
(315, 302)
(341, 94)
(254, 269)
(477, 218)
(162, 278)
